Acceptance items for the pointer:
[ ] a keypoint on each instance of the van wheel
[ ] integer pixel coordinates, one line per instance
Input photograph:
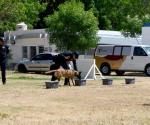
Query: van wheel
(147, 70)
(105, 69)
(22, 69)
(120, 73)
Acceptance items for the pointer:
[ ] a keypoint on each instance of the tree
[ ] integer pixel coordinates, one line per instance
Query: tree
(72, 28)
(132, 27)
(88, 4)
(124, 15)
(16, 11)
(138, 15)
(51, 7)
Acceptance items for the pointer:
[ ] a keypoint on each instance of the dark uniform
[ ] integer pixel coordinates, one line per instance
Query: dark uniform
(3, 58)
(62, 59)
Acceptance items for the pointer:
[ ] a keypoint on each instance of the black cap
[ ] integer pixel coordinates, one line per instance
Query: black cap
(76, 54)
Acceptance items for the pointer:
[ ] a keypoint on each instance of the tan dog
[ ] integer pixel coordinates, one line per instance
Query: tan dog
(67, 73)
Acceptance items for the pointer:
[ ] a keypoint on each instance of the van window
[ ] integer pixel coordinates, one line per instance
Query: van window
(126, 50)
(122, 50)
(147, 49)
(104, 50)
(138, 51)
(112, 50)
(117, 50)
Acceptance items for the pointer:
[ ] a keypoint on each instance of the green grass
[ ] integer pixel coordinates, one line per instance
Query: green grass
(27, 78)
(22, 76)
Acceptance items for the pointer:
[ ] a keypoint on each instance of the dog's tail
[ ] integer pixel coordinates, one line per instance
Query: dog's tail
(50, 71)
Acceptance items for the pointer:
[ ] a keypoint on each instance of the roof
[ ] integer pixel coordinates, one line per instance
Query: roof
(109, 33)
(21, 34)
(123, 45)
(116, 37)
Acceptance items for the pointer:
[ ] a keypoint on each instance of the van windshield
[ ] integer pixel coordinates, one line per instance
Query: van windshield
(147, 49)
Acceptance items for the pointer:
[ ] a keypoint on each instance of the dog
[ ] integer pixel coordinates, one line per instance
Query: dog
(67, 73)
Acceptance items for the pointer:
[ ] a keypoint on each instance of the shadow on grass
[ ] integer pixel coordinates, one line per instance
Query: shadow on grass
(141, 74)
(146, 104)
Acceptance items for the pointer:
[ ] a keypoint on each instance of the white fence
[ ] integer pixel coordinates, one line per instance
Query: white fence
(88, 68)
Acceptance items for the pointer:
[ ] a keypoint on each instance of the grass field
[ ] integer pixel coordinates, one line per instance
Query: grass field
(25, 101)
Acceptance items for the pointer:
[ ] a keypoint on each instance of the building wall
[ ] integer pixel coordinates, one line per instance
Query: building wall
(17, 48)
(146, 35)
(30, 40)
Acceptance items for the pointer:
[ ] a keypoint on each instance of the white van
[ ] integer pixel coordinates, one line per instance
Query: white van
(122, 58)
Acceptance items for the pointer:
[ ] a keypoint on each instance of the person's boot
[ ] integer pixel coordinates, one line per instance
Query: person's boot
(4, 83)
(66, 82)
(79, 76)
(53, 78)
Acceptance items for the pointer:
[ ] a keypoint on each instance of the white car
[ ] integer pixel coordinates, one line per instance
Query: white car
(39, 63)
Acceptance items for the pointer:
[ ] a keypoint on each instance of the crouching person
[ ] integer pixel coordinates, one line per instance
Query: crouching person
(62, 60)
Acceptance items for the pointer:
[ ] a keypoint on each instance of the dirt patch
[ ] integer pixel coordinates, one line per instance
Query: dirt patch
(27, 101)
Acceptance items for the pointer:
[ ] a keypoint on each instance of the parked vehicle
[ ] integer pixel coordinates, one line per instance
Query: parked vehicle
(39, 63)
(122, 58)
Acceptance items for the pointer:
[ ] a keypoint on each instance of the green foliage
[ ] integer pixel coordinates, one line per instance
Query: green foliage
(51, 6)
(88, 4)
(124, 15)
(16, 11)
(132, 25)
(72, 28)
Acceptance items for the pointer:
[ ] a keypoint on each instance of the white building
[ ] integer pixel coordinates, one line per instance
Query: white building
(146, 34)
(27, 43)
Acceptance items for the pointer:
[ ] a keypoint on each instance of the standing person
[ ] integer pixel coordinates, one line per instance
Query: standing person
(62, 59)
(3, 58)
